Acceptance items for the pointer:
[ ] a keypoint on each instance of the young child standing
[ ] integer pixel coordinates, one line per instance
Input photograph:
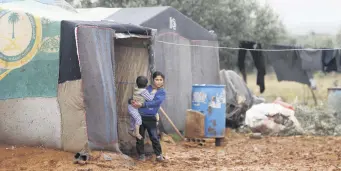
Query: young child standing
(140, 95)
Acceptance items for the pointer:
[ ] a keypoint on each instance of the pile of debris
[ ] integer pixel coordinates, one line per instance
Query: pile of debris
(318, 121)
(273, 119)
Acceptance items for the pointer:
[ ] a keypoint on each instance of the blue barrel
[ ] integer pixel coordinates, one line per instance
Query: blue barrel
(211, 101)
(334, 99)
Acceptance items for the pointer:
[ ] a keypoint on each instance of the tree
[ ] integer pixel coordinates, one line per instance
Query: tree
(231, 20)
(13, 19)
(338, 38)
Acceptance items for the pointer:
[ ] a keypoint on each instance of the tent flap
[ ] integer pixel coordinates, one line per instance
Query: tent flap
(95, 56)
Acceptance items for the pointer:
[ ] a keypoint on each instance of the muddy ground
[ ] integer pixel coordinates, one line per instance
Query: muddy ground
(238, 153)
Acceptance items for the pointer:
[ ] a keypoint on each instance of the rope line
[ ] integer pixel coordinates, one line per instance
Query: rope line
(232, 48)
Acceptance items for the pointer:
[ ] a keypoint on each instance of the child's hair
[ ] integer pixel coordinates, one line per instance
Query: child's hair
(158, 73)
(141, 81)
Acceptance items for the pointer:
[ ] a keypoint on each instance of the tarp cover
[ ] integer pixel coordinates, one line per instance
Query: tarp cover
(69, 66)
(239, 98)
(175, 62)
(161, 18)
(72, 109)
(94, 46)
(205, 62)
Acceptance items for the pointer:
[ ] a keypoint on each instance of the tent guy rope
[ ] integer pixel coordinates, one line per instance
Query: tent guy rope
(232, 48)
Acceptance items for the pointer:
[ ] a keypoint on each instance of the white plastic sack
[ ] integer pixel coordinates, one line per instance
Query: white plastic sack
(270, 118)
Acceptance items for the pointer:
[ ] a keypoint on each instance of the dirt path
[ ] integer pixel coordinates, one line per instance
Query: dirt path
(239, 153)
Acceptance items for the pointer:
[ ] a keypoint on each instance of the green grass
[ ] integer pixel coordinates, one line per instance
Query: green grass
(176, 137)
(288, 91)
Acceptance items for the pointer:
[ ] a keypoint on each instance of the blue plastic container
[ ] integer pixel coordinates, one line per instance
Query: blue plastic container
(211, 101)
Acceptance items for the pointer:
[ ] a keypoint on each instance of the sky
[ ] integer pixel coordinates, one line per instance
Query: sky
(304, 16)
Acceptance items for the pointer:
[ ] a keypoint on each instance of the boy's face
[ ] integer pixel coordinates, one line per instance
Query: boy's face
(158, 81)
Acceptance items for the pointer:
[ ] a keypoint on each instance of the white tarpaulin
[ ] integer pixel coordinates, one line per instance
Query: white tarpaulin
(271, 118)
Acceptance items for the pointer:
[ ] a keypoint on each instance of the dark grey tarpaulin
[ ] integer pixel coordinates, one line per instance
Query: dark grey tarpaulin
(160, 18)
(96, 58)
(205, 62)
(175, 62)
(69, 66)
(239, 98)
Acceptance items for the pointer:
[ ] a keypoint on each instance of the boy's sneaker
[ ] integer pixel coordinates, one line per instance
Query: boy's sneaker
(142, 157)
(160, 158)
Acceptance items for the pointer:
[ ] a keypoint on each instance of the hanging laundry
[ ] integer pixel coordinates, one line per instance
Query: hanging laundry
(338, 61)
(331, 60)
(258, 59)
(311, 59)
(288, 65)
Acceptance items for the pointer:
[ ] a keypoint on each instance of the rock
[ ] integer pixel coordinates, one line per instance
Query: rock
(168, 139)
(256, 136)
(106, 157)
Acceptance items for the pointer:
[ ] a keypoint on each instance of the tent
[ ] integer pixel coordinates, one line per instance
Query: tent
(177, 53)
(61, 79)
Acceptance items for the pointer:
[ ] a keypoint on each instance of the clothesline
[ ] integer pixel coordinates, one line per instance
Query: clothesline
(232, 48)
(125, 82)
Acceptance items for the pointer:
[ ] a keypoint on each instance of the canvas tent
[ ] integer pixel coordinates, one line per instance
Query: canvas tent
(176, 52)
(61, 79)
(106, 68)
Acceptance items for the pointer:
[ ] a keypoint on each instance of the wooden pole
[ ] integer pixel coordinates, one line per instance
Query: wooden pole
(171, 122)
(314, 97)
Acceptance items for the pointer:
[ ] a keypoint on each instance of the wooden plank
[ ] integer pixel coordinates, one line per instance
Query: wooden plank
(195, 124)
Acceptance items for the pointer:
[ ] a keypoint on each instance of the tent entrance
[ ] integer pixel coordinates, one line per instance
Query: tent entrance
(131, 61)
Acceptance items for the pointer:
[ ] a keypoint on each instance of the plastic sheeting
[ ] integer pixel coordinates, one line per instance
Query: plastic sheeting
(236, 88)
(69, 66)
(272, 119)
(238, 96)
(175, 62)
(131, 61)
(73, 125)
(205, 62)
(94, 45)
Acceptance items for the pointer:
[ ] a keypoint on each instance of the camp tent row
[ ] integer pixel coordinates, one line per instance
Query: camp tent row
(65, 81)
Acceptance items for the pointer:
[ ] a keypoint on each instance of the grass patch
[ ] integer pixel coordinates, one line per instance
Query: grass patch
(175, 137)
(290, 91)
